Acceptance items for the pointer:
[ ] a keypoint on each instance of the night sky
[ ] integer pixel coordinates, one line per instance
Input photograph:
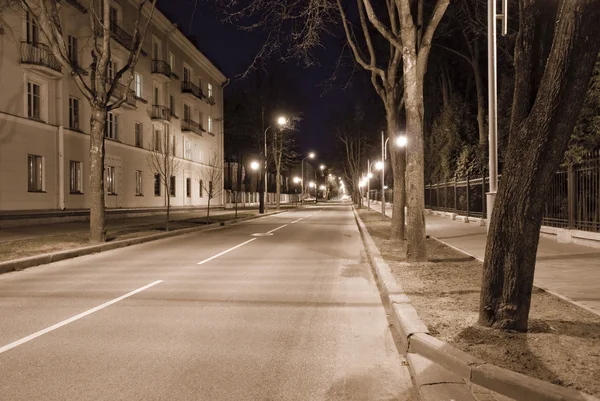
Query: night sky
(232, 50)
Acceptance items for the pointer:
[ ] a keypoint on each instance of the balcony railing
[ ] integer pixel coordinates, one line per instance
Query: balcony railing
(190, 87)
(210, 100)
(192, 126)
(39, 54)
(161, 67)
(121, 90)
(120, 35)
(161, 113)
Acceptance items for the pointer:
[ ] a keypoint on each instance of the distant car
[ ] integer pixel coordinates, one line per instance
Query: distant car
(311, 199)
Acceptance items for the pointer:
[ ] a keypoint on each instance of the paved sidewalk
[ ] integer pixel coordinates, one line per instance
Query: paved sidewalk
(569, 271)
(44, 230)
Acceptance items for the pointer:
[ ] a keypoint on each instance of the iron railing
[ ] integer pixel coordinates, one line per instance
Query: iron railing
(161, 67)
(573, 199)
(39, 54)
(210, 100)
(190, 87)
(77, 5)
(161, 113)
(191, 126)
(121, 90)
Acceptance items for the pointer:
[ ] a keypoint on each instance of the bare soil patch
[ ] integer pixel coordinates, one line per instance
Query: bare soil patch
(563, 342)
(54, 243)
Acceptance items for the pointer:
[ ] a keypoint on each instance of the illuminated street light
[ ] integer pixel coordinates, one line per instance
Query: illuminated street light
(311, 184)
(282, 121)
(254, 165)
(379, 165)
(370, 175)
(322, 187)
(401, 141)
(297, 180)
(322, 167)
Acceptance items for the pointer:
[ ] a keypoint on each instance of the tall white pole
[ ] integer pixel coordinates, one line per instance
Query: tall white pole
(302, 183)
(382, 177)
(492, 109)
(368, 186)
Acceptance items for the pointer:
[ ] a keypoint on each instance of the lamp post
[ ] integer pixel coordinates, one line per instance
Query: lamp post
(281, 121)
(311, 155)
(255, 166)
(401, 142)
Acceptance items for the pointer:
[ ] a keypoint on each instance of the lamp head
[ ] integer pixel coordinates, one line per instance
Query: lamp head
(311, 184)
(254, 165)
(379, 165)
(401, 141)
(281, 121)
(296, 180)
(322, 187)
(369, 176)
(311, 155)
(322, 167)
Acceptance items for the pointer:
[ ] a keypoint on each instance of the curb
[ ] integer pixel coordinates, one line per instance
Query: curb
(414, 334)
(31, 261)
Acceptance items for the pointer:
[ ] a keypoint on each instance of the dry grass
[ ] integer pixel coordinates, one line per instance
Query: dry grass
(563, 342)
(36, 246)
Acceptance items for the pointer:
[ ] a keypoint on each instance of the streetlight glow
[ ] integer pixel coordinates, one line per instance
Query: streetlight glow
(311, 184)
(401, 141)
(311, 155)
(282, 121)
(296, 180)
(370, 175)
(322, 187)
(379, 165)
(254, 165)
(322, 167)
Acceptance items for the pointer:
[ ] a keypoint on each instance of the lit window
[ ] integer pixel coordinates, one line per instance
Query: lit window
(74, 113)
(139, 135)
(109, 179)
(210, 124)
(173, 145)
(138, 85)
(112, 126)
(210, 90)
(138, 183)
(76, 177)
(35, 171)
(172, 61)
(34, 101)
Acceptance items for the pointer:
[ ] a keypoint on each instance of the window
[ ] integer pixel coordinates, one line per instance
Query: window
(73, 50)
(76, 177)
(73, 113)
(139, 135)
(201, 185)
(187, 149)
(156, 184)
(109, 178)
(188, 187)
(210, 91)
(156, 140)
(35, 173)
(172, 61)
(172, 104)
(138, 85)
(156, 95)
(172, 185)
(187, 112)
(155, 50)
(210, 124)
(33, 31)
(34, 101)
(172, 144)
(114, 16)
(138, 183)
(112, 126)
(113, 67)
(187, 74)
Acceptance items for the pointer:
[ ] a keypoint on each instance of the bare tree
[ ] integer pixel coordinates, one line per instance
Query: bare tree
(163, 163)
(210, 179)
(353, 139)
(103, 92)
(283, 153)
(557, 46)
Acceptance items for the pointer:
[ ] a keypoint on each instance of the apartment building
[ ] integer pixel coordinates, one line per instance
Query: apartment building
(177, 94)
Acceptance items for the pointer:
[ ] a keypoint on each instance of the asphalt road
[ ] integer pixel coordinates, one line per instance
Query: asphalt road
(295, 315)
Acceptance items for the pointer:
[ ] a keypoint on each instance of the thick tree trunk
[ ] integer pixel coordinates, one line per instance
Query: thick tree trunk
(97, 203)
(278, 188)
(208, 211)
(168, 207)
(547, 99)
(397, 230)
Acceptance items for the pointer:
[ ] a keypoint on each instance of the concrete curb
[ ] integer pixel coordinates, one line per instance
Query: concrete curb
(31, 261)
(414, 334)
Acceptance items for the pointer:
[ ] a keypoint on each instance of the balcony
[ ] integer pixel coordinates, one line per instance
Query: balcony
(191, 88)
(191, 126)
(210, 100)
(39, 57)
(162, 70)
(161, 113)
(77, 5)
(121, 36)
(120, 91)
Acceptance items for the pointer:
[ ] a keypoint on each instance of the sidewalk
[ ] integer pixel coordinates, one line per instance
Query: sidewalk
(569, 271)
(45, 230)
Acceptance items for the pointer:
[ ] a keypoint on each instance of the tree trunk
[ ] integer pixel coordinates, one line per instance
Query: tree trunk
(168, 205)
(548, 96)
(397, 231)
(278, 189)
(208, 211)
(97, 203)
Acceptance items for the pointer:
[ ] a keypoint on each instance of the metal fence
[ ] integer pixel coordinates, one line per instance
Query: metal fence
(573, 199)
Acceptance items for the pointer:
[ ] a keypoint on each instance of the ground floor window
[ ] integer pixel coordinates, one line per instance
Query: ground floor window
(76, 177)
(188, 187)
(138, 183)
(157, 185)
(35, 173)
(201, 185)
(172, 186)
(109, 177)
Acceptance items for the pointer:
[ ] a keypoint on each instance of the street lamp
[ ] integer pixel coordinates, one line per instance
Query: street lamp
(281, 121)
(401, 142)
(368, 179)
(254, 165)
(311, 155)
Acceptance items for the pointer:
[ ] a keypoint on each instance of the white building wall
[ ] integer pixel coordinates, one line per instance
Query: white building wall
(20, 136)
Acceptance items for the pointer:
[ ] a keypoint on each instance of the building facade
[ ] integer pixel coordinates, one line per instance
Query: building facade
(176, 96)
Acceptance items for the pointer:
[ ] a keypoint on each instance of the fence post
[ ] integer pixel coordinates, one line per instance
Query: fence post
(468, 196)
(455, 201)
(571, 195)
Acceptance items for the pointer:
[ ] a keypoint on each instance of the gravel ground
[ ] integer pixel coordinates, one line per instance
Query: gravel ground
(563, 342)
(36, 246)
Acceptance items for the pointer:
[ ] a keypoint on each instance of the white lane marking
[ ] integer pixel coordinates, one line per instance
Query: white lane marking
(275, 229)
(224, 252)
(74, 318)
(295, 221)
